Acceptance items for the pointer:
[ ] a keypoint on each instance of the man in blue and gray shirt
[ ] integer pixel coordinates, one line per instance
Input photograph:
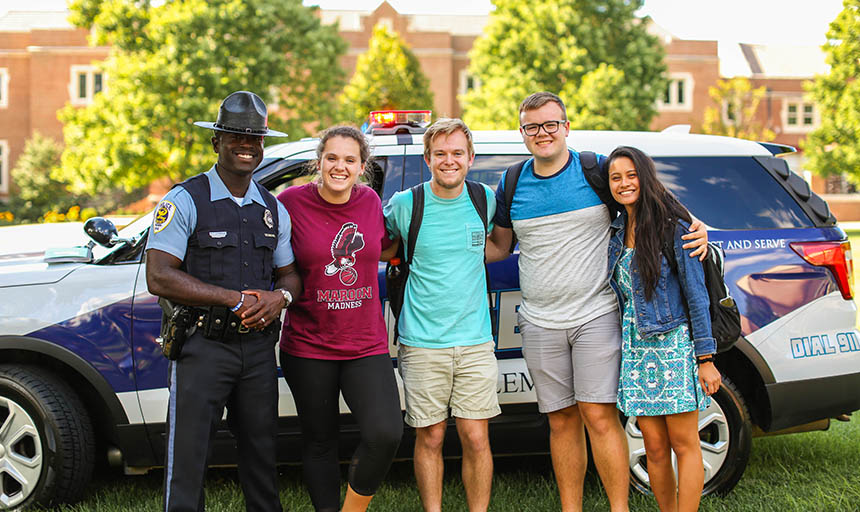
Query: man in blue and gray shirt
(569, 315)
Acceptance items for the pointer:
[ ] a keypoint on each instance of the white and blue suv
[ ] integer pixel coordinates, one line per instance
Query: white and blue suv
(82, 377)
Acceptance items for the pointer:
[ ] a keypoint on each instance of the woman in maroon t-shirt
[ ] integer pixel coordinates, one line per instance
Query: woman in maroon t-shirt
(336, 340)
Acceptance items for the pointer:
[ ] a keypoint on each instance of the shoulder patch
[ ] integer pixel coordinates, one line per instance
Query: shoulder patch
(163, 215)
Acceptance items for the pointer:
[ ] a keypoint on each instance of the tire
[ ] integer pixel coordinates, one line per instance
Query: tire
(47, 446)
(725, 431)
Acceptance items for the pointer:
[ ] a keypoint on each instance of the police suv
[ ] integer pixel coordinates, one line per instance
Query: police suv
(82, 378)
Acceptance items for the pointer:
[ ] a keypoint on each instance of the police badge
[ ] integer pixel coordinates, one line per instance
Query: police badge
(267, 218)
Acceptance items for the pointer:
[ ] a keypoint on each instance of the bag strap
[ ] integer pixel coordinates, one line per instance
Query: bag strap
(512, 177)
(597, 177)
(479, 200)
(669, 253)
(415, 220)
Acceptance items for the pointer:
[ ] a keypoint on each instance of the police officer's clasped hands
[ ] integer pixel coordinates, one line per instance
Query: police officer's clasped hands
(261, 307)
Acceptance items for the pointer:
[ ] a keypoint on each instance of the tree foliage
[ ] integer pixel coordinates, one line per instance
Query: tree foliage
(740, 101)
(595, 54)
(834, 147)
(39, 193)
(387, 76)
(172, 63)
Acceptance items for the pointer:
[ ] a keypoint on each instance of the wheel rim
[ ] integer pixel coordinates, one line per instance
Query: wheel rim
(713, 438)
(20, 454)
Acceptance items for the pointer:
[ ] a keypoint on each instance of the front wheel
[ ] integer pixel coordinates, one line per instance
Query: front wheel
(725, 434)
(46, 439)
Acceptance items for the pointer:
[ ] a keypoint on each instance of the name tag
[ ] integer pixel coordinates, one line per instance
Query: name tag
(217, 234)
(270, 235)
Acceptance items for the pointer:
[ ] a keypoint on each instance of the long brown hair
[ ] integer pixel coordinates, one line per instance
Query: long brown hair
(657, 211)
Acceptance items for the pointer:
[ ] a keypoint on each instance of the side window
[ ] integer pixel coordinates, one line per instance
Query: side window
(486, 169)
(730, 192)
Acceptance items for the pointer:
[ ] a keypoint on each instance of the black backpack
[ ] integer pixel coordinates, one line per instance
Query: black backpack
(592, 170)
(725, 317)
(397, 270)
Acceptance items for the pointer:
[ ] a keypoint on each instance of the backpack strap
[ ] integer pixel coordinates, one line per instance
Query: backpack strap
(512, 177)
(597, 177)
(415, 220)
(479, 200)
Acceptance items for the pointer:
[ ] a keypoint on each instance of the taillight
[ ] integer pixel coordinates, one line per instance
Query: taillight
(834, 255)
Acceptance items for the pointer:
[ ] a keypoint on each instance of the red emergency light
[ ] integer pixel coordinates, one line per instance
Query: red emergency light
(398, 121)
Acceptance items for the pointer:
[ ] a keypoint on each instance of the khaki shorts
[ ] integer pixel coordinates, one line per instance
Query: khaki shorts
(462, 379)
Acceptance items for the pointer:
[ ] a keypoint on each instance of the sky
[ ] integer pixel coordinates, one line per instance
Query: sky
(781, 22)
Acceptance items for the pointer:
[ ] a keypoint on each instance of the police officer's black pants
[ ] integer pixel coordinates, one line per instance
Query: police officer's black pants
(209, 374)
(370, 391)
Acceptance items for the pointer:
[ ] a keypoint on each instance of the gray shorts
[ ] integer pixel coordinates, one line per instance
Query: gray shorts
(580, 364)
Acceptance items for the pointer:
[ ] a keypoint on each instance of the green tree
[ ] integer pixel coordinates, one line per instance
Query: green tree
(173, 62)
(387, 76)
(38, 191)
(595, 54)
(834, 147)
(741, 103)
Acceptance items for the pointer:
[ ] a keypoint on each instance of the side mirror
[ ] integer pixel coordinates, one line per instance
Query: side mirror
(102, 231)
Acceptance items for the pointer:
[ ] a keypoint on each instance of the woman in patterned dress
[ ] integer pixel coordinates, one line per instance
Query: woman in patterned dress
(667, 368)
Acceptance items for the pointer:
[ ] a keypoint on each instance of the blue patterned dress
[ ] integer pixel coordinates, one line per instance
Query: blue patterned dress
(659, 375)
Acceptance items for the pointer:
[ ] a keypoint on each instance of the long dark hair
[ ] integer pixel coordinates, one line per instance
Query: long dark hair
(656, 211)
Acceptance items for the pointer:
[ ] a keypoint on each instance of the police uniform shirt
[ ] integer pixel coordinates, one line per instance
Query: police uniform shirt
(175, 220)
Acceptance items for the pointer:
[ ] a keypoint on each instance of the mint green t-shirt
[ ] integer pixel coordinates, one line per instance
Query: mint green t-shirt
(445, 301)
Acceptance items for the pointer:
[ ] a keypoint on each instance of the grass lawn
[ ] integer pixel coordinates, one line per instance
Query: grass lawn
(815, 471)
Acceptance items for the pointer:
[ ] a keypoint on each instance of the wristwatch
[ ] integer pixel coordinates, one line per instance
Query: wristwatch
(288, 297)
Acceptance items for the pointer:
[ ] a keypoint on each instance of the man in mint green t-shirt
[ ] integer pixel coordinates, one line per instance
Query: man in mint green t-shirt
(446, 356)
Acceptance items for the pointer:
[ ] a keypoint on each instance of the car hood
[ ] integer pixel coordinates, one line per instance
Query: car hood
(31, 269)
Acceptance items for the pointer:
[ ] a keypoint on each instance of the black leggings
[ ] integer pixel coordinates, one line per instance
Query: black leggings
(370, 391)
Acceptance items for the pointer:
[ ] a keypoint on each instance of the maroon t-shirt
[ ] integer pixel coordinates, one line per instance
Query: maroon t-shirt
(337, 247)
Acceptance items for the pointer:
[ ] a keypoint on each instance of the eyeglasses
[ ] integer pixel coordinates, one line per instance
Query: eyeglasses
(548, 126)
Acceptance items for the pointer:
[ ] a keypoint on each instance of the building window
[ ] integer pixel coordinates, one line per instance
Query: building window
(678, 95)
(4, 167)
(468, 82)
(4, 87)
(86, 82)
(799, 116)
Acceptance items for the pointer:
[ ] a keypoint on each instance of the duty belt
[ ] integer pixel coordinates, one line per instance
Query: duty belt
(220, 324)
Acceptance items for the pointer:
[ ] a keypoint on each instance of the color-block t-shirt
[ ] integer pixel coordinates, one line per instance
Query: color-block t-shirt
(445, 301)
(563, 231)
(337, 248)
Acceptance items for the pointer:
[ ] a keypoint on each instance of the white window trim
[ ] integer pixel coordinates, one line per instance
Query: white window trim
(464, 81)
(4, 167)
(673, 105)
(4, 87)
(90, 72)
(800, 101)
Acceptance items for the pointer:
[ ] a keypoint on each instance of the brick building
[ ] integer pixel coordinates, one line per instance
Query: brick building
(440, 42)
(44, 64)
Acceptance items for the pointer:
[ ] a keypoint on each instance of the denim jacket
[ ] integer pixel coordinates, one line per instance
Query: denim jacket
(665, 311)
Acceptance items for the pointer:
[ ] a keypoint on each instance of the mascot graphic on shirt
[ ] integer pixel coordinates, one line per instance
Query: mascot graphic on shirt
(343, 248)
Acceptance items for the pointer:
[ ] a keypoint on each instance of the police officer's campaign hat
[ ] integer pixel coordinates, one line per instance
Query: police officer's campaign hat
(242, 112)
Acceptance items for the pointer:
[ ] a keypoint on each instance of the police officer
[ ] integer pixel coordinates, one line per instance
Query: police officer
(219, 244)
